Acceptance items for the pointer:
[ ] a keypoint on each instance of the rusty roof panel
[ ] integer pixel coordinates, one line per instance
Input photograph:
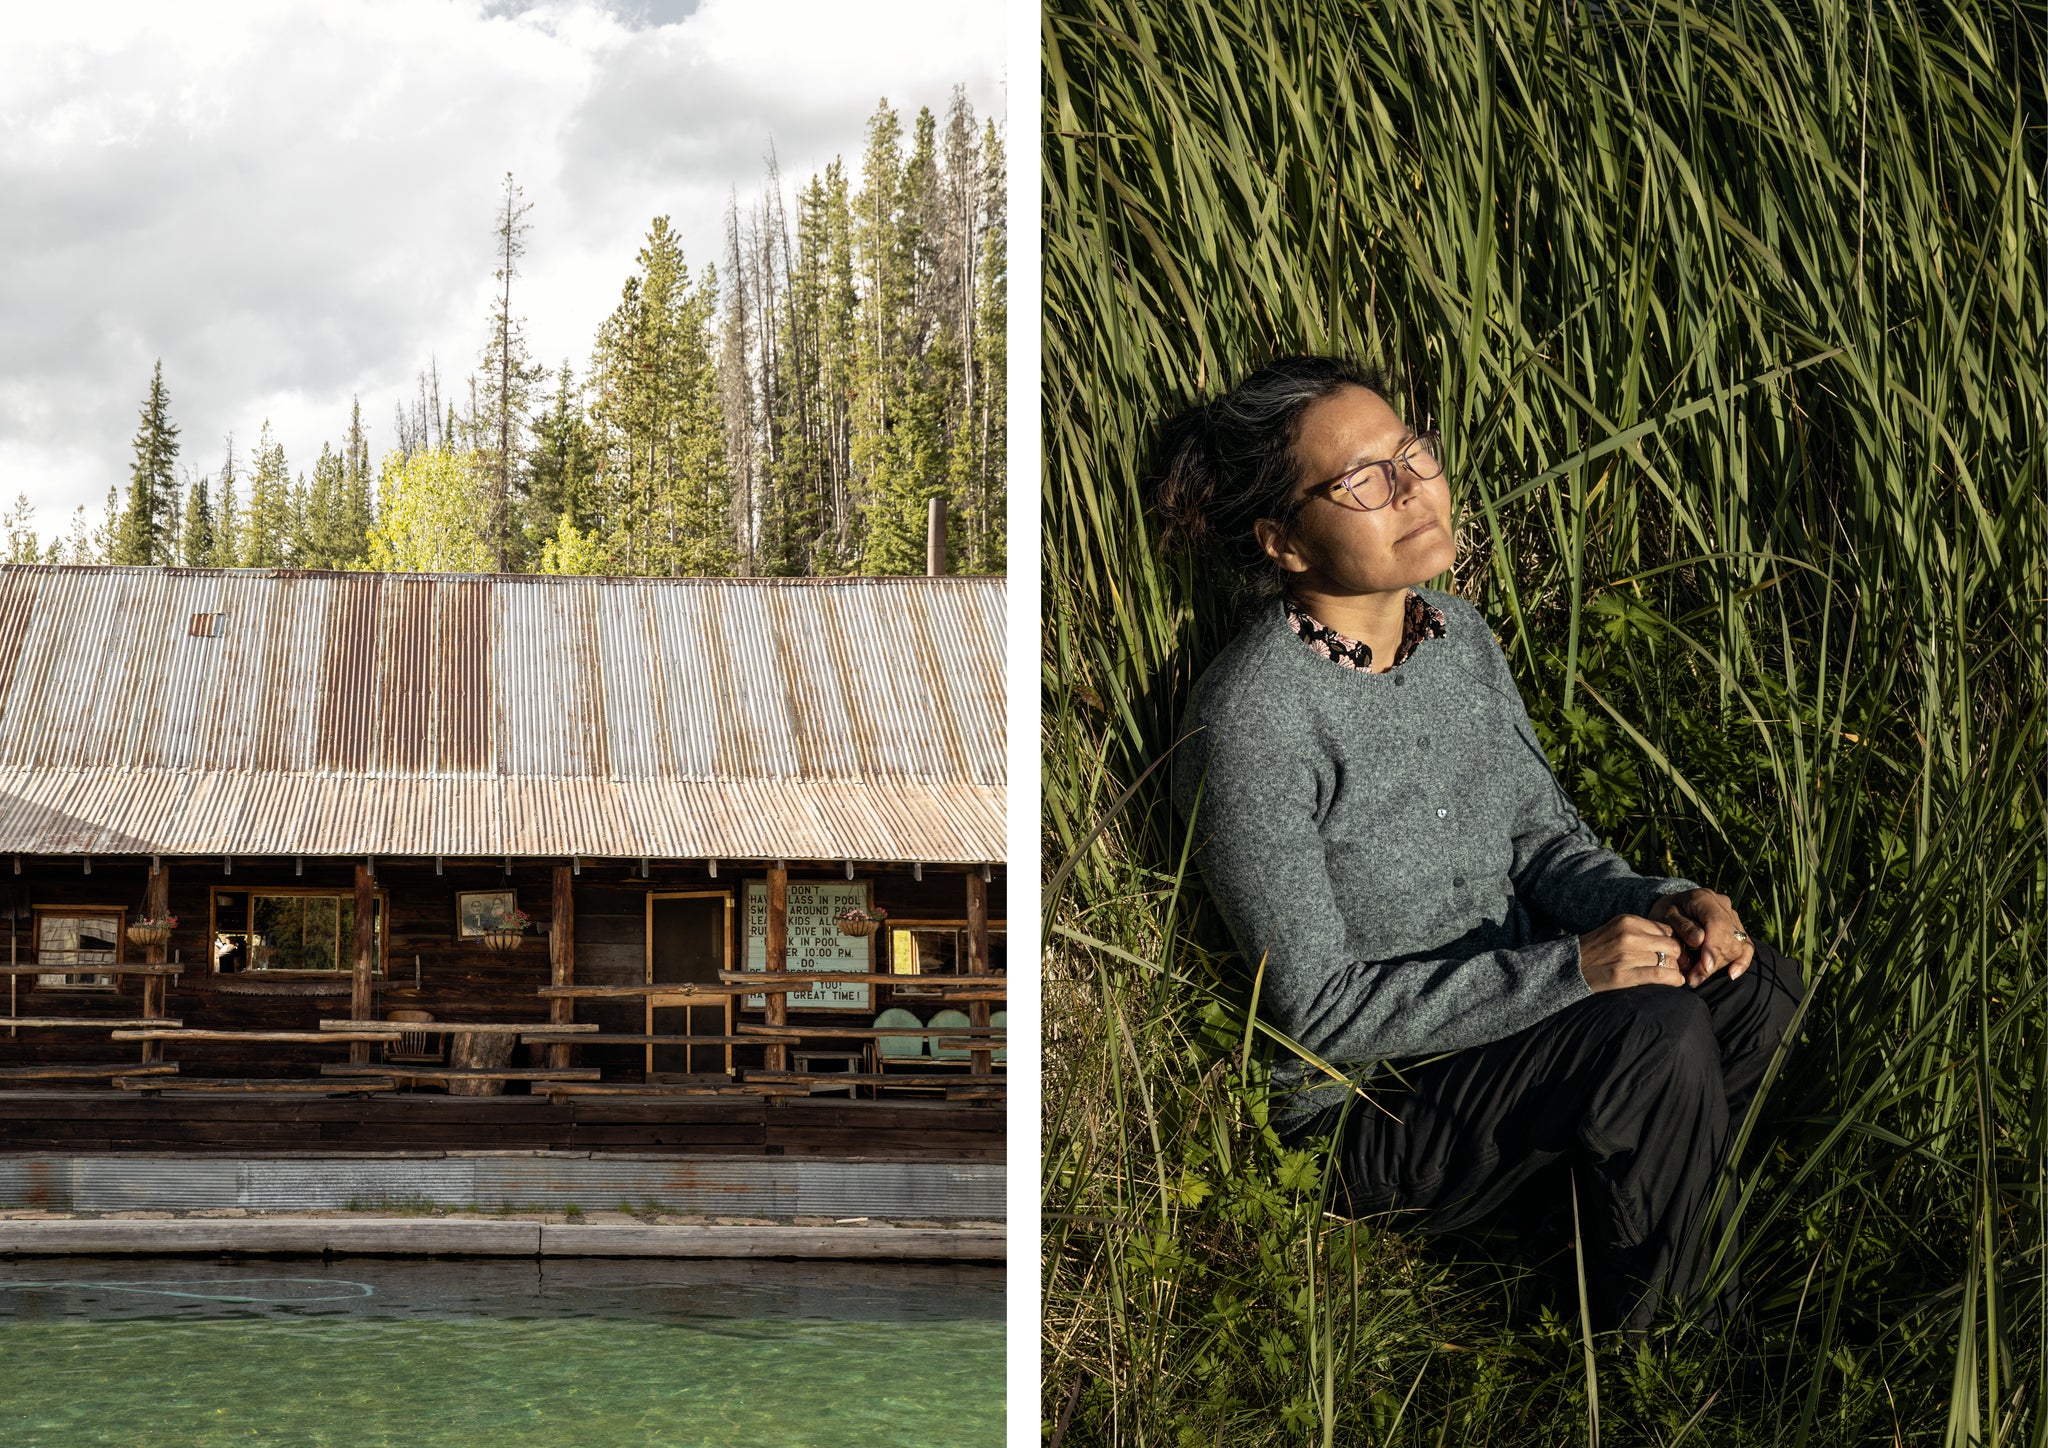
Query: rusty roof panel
(347, 670)
(462, 721)
(488, 715)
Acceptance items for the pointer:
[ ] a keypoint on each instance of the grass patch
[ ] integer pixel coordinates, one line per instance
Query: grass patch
(410, 1206)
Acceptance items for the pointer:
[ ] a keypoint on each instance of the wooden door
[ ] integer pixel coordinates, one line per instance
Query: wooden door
(689, 938)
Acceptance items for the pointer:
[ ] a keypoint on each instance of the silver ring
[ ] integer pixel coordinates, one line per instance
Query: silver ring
(1740, 936)
(1660, 958)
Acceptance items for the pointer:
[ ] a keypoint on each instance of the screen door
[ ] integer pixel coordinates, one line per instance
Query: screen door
(688, 939)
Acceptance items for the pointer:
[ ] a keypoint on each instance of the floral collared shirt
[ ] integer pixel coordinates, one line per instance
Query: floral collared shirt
(1419, 620)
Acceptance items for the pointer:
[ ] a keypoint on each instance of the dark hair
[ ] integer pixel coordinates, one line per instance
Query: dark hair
(1229, 462)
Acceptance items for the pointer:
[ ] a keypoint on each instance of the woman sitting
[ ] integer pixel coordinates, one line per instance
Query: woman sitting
(1382, 833)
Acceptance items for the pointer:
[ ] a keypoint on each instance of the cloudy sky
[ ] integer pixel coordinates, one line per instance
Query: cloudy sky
(292, 204)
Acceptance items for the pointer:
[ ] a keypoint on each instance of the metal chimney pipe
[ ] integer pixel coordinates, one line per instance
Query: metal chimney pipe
(935, 539)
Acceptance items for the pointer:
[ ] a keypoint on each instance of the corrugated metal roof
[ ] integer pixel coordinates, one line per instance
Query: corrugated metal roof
(458, 714)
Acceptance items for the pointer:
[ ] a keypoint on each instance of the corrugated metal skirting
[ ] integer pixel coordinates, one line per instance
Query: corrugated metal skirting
(719, 1186)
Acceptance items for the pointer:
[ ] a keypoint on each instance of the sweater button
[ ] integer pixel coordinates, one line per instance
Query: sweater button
(1422, 741)
(1443, 814)
(1458, 881)
(1399, 681)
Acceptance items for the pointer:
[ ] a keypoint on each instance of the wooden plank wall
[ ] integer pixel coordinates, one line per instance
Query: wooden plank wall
(458, 980)
(100, 1121)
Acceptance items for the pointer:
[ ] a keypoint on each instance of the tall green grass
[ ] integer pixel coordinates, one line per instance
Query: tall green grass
(1733, 321)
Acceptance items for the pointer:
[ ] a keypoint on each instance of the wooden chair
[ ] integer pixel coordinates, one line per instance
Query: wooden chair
(414, 1048)
(904, 1053)
(943, 1022)
(1000, 1019)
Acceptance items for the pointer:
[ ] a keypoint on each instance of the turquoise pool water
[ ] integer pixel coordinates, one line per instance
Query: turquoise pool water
(498, 1354)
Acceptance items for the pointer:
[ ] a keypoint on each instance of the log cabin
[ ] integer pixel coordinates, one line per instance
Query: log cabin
(319, 861)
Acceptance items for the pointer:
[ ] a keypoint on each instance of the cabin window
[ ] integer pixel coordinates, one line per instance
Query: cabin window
(78, 935)
(940, 948)
(291, 931)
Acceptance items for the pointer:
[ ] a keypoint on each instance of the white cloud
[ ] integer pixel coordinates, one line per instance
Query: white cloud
(292, 204)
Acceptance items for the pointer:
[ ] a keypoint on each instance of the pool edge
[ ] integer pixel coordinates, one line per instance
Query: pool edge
(414, 1237)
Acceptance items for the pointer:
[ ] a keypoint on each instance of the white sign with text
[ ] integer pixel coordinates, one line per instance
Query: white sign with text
(814, 942)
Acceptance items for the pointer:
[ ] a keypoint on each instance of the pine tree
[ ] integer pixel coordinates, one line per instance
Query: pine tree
(267, 530)
(560, 469)
(227, 528)
(736, 393)
(664, 483)
(902, 447)
(324, 542)
(984, 453)
(101, 544)
(198, 541)
(356, 511)
(508, 375)
(141, 534)
(19, 531)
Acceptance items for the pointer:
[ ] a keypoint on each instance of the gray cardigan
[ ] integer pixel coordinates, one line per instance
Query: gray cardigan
(1380, 839)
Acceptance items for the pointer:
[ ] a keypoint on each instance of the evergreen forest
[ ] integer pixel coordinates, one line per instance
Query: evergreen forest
(787, 408)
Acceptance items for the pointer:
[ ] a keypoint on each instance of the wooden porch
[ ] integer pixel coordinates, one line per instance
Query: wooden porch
(599, 1032)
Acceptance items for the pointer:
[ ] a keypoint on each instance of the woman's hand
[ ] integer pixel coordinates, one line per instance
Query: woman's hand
(1629, 950)
(1705, 923)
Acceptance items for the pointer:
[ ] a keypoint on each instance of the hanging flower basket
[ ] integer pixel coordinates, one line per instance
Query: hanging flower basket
(859, 922)
(506, 933)
(150, 930)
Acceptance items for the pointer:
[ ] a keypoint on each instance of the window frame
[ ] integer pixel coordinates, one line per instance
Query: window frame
(382, 906)
(956, 924)
(113, 981)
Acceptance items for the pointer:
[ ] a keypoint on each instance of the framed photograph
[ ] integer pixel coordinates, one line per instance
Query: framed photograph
(477, 911)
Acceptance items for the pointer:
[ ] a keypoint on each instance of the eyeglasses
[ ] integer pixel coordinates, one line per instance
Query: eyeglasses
(1370, 486)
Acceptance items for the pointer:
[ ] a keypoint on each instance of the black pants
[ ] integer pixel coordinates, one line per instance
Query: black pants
(1640, 1088)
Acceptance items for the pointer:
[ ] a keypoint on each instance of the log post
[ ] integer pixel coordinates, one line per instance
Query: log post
(562, 961)
(365, 959)
(977, 962)
(777, 956)
(156, 904)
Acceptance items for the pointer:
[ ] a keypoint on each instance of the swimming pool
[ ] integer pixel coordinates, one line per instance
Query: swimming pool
(561, 1352)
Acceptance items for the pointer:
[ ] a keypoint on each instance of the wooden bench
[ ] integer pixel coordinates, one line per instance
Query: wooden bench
(96, 1072)
(567, 1032)
(988, 1034)
(833, 1079)
(624, 1038)
(110, 967)
(151, 1033)
(109, 1023)
(801, 980)
(561, 1089)
(294, 1085)
(460, 1073)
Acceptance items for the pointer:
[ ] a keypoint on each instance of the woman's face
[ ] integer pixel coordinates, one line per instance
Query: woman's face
(1334, 547)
